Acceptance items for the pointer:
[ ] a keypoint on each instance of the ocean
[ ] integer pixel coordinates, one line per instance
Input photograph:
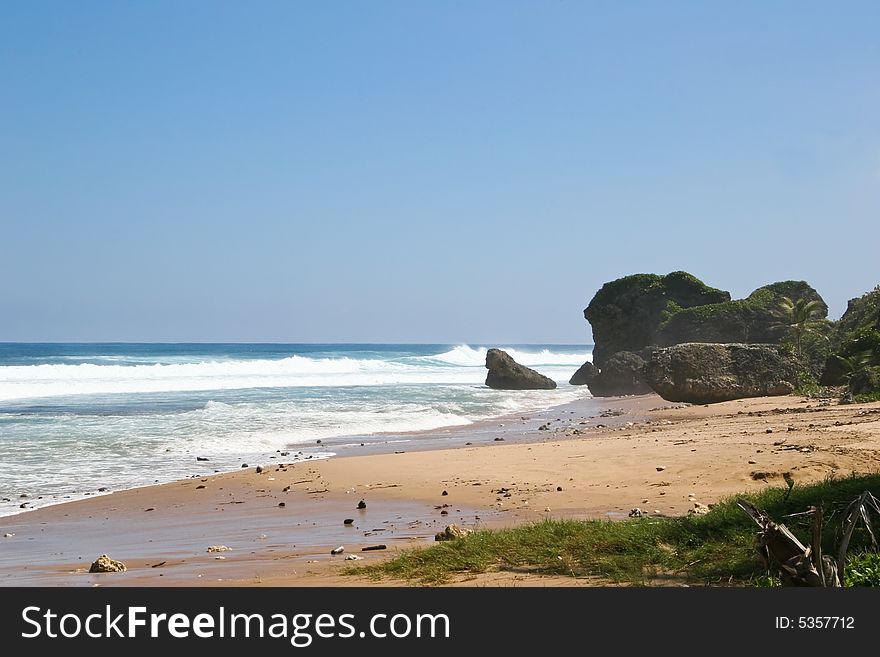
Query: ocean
(85, 419)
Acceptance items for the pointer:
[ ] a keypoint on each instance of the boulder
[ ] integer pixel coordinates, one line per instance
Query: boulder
(835, 372)
(622, 374)
(451, 533)
(626, 313)
(506, 374)
(584, 375)
(701, 373)
(105, 564)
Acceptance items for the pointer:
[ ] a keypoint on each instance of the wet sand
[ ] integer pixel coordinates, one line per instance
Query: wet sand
(662, 458)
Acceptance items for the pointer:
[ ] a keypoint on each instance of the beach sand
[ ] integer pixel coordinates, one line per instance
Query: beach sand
(659, 457)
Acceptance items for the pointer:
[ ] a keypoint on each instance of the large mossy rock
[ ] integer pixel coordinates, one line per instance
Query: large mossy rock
(626, 313)
(755, 319)
(506, 374)
(701, 373)
(622, 374)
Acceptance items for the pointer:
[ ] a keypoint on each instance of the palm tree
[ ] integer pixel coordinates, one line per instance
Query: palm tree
(800, 317)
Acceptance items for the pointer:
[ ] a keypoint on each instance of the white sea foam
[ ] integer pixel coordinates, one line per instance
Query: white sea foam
(461, 365)
(467, 356)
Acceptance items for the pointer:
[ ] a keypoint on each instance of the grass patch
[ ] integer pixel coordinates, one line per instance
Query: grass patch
(716, 548)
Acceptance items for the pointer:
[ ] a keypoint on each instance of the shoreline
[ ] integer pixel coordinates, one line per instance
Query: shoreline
(352, 445)
(659, 457)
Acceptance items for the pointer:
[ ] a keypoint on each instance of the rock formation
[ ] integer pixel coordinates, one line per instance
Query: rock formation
(702, 373)
(621, 375)
(626, 313)
(584, 375)
(506, 374)
(636, 312)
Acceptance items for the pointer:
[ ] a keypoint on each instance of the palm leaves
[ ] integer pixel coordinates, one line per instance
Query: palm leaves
(800, 317)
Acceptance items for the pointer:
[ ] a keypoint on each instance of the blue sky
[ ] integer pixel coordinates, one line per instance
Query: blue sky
(423, 171)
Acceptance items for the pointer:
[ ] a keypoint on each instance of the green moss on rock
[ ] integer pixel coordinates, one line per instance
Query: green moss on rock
(626, 313)
(753, 320)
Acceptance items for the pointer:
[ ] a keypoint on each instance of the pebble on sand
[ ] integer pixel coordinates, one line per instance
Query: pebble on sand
(105, 564)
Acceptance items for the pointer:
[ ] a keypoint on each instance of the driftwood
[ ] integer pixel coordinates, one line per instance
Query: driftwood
(800, 565)
(860, 508)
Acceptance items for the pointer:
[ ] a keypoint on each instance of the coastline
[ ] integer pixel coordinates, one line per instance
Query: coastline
(660, 457)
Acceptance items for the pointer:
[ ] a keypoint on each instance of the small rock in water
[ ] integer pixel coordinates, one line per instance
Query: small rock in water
(635, 513)
(348, 521)
(218, 548)
(318, 442)
(201, 458)
(338, 550)
(244, 465)
(661, 468)
(444, 493)
(444, 512)
(362, 505)
(499, 439)
(105, 564)
(559, 489)
(352, 557)
(103, 489)
(281, 504)
(259, 469)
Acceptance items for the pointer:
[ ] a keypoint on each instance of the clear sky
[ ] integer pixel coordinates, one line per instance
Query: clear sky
(423, 171)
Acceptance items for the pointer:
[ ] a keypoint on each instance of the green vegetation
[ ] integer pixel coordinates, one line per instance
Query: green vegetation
(856, 348)
(716, 548)
(867, 397)
(800, 317)
(863, 570)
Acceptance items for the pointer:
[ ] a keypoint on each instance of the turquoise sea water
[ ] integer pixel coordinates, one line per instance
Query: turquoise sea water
(75, 418)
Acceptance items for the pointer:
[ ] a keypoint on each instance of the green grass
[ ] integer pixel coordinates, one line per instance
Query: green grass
(863, 570)
(716, 548)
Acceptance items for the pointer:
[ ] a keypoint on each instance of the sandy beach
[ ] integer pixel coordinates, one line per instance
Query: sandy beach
(280, 524)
